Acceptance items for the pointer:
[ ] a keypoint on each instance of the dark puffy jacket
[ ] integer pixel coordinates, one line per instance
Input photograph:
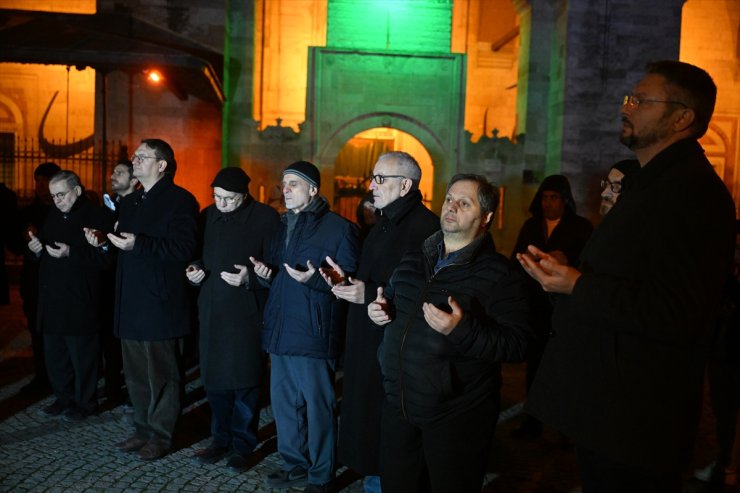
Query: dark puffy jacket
(430, 376)
(305, 319)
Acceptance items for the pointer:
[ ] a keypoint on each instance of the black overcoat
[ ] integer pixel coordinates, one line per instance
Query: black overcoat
(70, 288)
(402, 226)
(231, 317)
(623, 373)
(152, 292)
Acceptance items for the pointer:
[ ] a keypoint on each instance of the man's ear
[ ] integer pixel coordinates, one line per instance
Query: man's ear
(78, 190)
(684, 120)
(312, 191)
(406, 185)
(162, 165)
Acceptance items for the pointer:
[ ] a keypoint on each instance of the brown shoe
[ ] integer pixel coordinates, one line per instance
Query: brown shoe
(152, 451)
(131, 444)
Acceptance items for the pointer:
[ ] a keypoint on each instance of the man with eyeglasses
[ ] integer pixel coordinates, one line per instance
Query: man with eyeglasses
(156, 239)
(302, 321)
(622, 375)
(452, 312)
(70, 303)
(612, 185)
(403, 223)
(230, 302)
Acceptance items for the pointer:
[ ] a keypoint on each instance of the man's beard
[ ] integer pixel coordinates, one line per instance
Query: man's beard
(652, 136)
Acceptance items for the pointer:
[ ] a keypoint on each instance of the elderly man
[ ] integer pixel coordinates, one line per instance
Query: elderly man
(69, 306)
(302, 323)
(230, 305)
(403, 224)
(452, 313)
(156, 239)
(623, 375)
(612, 185)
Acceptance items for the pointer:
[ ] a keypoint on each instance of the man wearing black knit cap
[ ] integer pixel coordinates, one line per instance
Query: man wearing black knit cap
(233, 229)
(301, 328)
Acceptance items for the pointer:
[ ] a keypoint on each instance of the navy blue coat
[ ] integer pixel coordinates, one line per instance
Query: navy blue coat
(152, 292)
(306, 319)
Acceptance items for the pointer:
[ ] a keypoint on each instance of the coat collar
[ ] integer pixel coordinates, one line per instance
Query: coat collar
(397, 210)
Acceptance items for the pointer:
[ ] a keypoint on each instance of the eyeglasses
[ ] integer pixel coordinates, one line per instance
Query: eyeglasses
(228, 200)
(60, 195)
(614, 186)
(141, 157)
(379, 179)
(634, 102)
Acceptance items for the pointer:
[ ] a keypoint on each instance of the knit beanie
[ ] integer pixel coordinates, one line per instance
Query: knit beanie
(305, 170)
(232, 179)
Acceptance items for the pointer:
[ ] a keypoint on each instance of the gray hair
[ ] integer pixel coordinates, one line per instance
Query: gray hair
(68, 176)
(408, 165)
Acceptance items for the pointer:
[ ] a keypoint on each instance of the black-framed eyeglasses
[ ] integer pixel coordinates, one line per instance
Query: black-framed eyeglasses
(614, 186)
(379, 179)
(634, 102)
(141, 157)
(60, 195)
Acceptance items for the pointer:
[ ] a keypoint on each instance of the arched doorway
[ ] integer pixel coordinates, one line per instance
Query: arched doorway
(353, 166)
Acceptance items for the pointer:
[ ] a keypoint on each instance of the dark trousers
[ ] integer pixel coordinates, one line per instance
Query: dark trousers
(450, 456)
(600, 474)
(153, 380)
(724, 391)
(72, 366)
(234, 418)
(112, 363)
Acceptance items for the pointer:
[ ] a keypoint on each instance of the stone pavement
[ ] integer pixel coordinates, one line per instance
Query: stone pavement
(42, 454)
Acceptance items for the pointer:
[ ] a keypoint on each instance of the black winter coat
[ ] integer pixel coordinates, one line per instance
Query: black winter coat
(624, 371)
(152, 292)
(71, 288)
(402, 227)
(231, 317)
(431, 377)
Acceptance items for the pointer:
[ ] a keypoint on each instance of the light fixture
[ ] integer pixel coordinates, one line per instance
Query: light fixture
(154, 76)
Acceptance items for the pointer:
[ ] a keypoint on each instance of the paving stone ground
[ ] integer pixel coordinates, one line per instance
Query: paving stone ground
(42, 454)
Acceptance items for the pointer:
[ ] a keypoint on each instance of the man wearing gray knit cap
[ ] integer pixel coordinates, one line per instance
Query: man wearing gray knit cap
(301, 328)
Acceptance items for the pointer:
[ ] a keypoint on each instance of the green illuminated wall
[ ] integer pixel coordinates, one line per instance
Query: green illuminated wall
(418, 26)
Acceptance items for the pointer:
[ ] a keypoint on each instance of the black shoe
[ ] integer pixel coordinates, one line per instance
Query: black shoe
(74, 415)
(53, 410)
(237, 462)
(295, 478)
(211, 454)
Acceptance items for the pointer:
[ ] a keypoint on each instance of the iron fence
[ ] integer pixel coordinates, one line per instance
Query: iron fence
(20, 156)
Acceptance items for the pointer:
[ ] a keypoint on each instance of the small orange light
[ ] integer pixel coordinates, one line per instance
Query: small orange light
(154, 76)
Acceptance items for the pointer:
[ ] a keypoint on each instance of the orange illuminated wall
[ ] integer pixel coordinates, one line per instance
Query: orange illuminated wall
(710, 35)
(66, 6)
(284, 29)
